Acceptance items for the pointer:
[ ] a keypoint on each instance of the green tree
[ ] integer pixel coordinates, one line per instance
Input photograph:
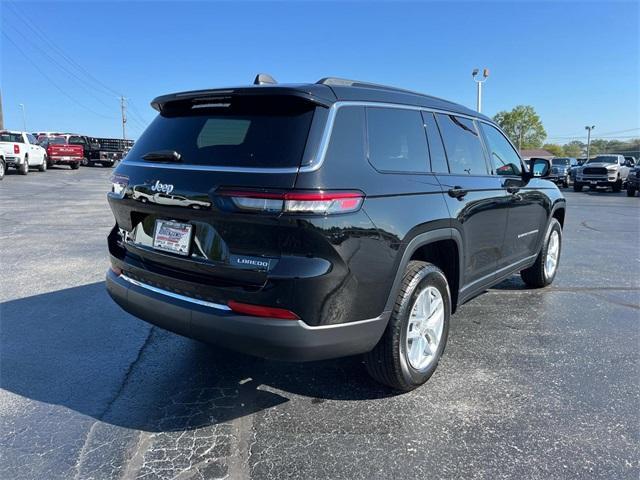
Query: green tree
(554, 148)
(523, 126)
(574, 149)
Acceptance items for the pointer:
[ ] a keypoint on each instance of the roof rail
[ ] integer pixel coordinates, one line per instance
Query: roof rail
(344, 82)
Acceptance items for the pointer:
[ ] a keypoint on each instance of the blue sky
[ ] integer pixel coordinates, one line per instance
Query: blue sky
(576, 63)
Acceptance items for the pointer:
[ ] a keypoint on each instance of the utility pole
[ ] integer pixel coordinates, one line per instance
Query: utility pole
(588, 129)
(24, 117)
(123, 110)
(485, 75)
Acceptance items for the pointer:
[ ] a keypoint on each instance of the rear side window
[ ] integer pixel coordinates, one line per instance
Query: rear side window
(436, 149)
(248, 132)
(504, 158)
(462, 144)
(396, 139)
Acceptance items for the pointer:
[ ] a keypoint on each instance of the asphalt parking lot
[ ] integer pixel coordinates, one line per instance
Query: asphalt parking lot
(534, 384)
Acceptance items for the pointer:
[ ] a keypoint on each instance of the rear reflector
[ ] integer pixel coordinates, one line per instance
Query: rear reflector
(301, 202)
(261, 311)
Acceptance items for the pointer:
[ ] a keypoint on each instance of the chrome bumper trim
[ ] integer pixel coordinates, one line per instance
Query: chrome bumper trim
(184, 298)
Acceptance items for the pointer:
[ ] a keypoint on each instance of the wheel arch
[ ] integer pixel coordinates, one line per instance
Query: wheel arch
(443, 248)
(558, 213)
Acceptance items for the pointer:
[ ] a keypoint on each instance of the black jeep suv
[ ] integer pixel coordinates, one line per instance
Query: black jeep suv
(313, 221)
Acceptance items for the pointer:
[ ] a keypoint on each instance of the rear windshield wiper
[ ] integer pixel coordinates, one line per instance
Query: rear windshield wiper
(162, 155)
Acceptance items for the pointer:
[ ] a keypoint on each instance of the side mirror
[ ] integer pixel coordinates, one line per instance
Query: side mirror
(538, 167)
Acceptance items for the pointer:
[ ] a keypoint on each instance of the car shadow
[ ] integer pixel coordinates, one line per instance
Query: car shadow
(514, 282)
(76, 348)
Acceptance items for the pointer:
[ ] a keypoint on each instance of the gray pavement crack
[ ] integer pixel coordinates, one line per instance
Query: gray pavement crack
(110, 403)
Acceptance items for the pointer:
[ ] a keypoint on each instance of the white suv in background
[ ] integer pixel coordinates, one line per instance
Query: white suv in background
(20, 150)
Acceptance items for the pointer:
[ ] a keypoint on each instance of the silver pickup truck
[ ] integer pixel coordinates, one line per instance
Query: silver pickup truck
(603, 171)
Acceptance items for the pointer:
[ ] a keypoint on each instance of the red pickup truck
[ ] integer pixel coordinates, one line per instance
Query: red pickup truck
(60, 152)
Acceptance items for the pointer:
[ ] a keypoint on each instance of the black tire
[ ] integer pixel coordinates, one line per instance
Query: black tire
(108, 164)
(631, 191)
(535, 276)
(617, 186)
(24, 168)
(3, 168)
(577, 187)
(85, 162)
(75, 165)
(387, 363)
(43, 165)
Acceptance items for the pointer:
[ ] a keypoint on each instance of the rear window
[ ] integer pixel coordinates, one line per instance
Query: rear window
(57, 141)
(248, 132)
(11, 137)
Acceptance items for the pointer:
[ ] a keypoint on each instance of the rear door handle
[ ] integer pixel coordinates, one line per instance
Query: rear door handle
(457, 192)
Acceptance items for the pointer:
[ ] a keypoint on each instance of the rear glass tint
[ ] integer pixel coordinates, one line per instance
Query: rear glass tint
(11, 137)
(248, 132)
(462, 144)
(397, 142)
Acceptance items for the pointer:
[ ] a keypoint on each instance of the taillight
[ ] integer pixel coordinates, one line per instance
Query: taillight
(294, 202)
(16, 148)
(261, 311)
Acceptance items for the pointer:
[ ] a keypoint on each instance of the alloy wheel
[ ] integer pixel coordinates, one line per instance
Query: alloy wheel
(553, 250)
(424, 332)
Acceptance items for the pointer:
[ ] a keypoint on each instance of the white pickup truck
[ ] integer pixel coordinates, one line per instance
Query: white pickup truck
(19, 150)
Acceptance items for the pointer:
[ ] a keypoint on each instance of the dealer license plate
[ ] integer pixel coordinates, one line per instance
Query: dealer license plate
(173, 237)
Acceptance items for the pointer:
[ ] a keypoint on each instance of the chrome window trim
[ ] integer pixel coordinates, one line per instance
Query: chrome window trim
(326, 136)
(167, 293)
(325, 140)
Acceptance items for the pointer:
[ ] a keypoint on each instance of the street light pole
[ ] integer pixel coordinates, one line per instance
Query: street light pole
(479, 82)
(24, 117)
(588, 129)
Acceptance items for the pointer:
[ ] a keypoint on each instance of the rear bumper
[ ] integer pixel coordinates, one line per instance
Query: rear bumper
(291, 340)
(12, 161)
(64, 161)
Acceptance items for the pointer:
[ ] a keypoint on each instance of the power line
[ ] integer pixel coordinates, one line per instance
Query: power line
(50, 80)
(66, 70)
(60, 52)
(604, 134)
(136, 113)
